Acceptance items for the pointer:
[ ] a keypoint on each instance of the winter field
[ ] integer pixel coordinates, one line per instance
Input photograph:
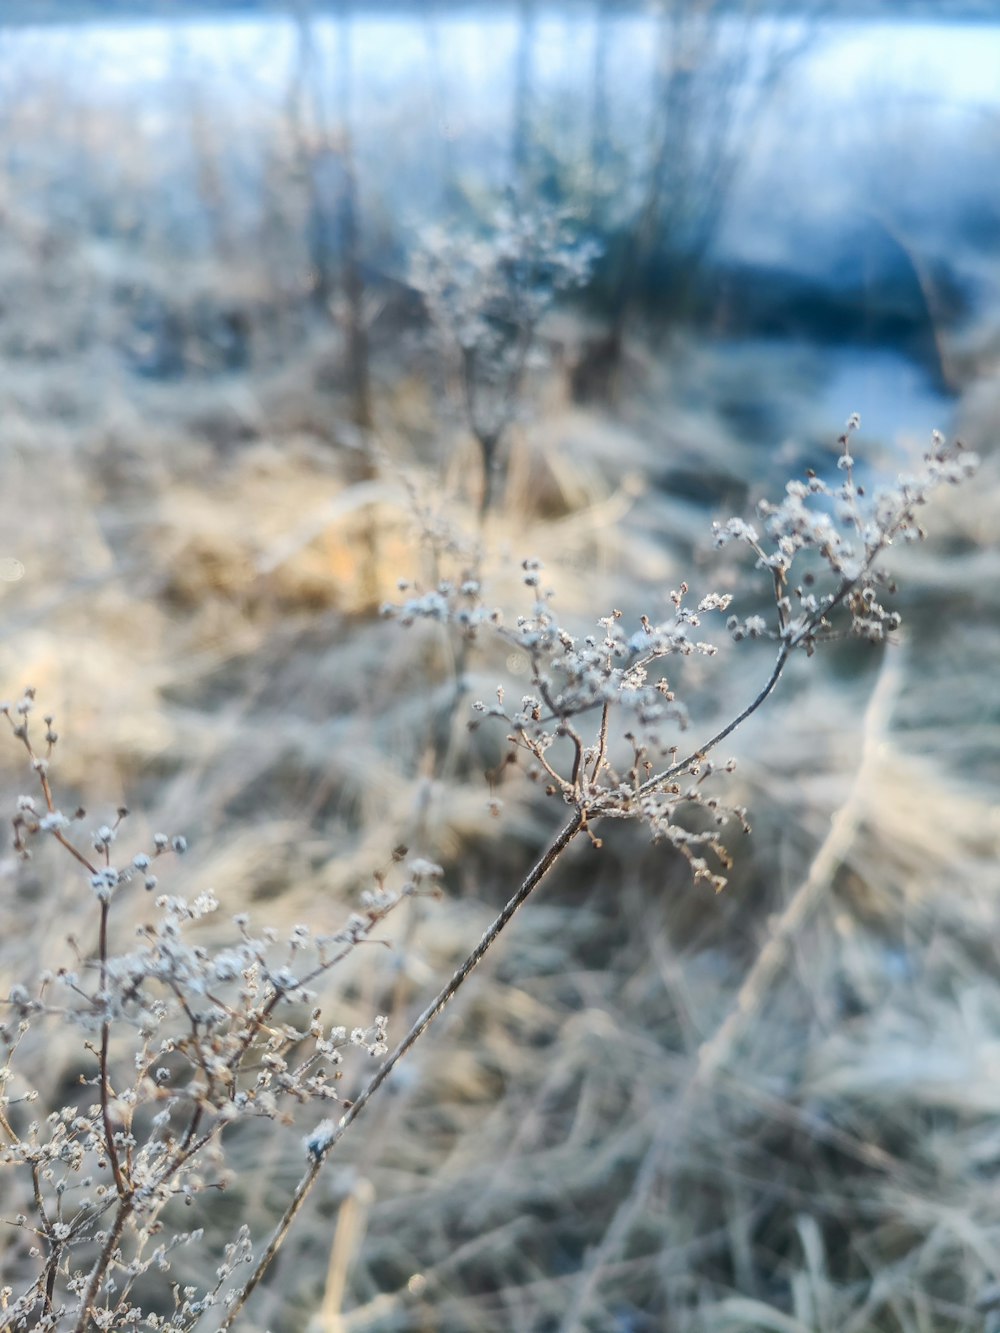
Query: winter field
(310, 330)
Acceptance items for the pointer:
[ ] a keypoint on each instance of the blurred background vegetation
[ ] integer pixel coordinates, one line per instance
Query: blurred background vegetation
(230, 422)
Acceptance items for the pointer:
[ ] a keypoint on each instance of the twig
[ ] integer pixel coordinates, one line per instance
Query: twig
(541, 867)
(682, 766)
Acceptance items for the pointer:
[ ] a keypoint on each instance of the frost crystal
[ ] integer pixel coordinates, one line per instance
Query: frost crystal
(318, 1142)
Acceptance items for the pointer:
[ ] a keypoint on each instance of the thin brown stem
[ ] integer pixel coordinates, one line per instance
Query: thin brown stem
(105, 1069)
(538, 754)
(531, 881)
(602, 741)
(101, 1266)
(74, 852)
(683, 765)
(787, 648)
(567, 730)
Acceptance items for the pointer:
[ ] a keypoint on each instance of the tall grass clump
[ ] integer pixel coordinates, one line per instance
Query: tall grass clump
(187, 1043)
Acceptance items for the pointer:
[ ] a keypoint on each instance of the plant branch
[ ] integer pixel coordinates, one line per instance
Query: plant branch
(101, 1266)
(683, 765)
(531, 881)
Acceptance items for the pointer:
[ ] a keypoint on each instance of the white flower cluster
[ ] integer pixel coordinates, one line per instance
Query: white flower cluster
(833, 537)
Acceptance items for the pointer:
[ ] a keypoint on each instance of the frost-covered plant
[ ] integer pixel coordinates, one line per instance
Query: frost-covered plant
(183, 1041)
(485, 295)
(823, 547)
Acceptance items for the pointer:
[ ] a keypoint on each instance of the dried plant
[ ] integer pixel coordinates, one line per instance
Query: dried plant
(486, 295)
(823, 546)
(182, 1041)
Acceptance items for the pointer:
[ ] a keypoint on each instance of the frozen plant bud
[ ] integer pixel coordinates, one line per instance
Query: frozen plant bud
(423, 869)
(103, 882)
(734, 529)
(321, 1139)
(103, 838)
